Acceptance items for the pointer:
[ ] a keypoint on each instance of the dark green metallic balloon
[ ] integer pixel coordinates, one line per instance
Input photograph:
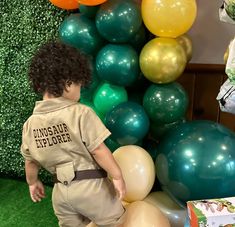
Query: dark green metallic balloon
(140, 84)
(127, 122)
(112, 145)
(139, 39)
(118, 64)
(151, 147)
(197, 161)
(165, 103)
(88, 11)
(80, 32)
(117, 21)
(107, 96)
(158, 131)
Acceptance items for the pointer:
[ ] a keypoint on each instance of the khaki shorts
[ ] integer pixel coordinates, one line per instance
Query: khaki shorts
(80, 202)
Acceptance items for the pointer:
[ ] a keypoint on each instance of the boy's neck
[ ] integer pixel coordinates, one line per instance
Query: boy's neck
(47, 96)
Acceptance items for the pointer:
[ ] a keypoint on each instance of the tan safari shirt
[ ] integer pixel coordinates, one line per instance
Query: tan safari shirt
(62, 131)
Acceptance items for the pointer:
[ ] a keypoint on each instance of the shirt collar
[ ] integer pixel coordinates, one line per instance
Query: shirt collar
(50, 105)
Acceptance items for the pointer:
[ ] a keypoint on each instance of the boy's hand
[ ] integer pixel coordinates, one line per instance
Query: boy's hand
(37, 191)
(120, 186)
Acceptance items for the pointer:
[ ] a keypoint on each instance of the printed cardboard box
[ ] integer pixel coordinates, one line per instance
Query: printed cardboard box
(212, 212)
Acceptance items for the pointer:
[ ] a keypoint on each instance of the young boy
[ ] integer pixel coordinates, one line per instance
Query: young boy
(67, 139)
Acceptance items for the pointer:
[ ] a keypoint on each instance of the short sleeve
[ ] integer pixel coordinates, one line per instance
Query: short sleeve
(24, 147)
(93, 131)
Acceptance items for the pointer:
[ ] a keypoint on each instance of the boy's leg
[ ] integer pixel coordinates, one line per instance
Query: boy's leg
(68, 220)
(67, 216)
(99, 202)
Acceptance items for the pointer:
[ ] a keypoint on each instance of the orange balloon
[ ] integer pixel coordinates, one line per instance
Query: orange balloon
(91, 2)
(65, 4)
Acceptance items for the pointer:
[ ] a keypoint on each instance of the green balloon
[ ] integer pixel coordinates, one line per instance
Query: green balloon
(88, 11)
(197, 161)
(128, 123)
(91, 105)
(107, 96)
(151, 147)
(160, 130)
(118, 64)
(139, 39)
(80, 32)
(140, 84)
(118, 21)
(165, 103)
(112, 145)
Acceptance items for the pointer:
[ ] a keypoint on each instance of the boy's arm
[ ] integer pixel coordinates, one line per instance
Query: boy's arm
(105, 159)
(31, 171)
(36, 187)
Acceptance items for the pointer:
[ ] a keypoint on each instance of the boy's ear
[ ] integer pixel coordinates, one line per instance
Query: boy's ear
(67, 85)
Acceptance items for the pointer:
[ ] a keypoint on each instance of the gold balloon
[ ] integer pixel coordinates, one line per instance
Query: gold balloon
(162, 60)
(138, 171)
(226, 55)
(186, 43)
(175, 214)
(168, 18)
(143, 214)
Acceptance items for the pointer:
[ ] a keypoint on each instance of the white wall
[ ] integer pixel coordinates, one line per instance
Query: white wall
(209, 35)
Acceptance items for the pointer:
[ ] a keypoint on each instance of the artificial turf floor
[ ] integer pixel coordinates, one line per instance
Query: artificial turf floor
(17, 209)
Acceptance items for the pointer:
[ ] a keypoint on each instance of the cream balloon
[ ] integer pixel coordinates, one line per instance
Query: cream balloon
(143, 214)
(125, 203)
(187, 45)
(92, 224)
(175, 214)
(138, 171)
(162, 60)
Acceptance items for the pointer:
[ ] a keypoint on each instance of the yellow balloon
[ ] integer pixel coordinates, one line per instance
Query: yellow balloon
(143, 214)
(138, 171)
(168, 18)
(226, 54)
(175, 214)
(162, 60)
(186, 43)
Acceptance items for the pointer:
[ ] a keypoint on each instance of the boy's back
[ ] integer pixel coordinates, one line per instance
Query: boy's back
(61, 131)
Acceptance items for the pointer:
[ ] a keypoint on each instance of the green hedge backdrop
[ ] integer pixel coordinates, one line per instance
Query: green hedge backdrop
(24, 25)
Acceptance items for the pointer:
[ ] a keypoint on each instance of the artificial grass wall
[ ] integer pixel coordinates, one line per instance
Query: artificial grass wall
(24, 25)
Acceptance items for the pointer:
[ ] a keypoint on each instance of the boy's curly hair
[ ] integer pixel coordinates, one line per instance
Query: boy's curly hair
(56, 64)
